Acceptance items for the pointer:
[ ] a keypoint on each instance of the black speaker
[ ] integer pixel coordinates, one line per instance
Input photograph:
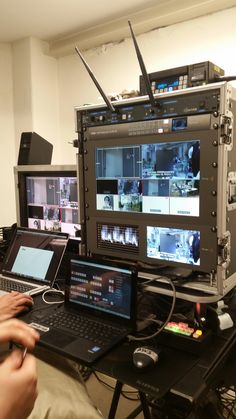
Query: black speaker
(34, 149)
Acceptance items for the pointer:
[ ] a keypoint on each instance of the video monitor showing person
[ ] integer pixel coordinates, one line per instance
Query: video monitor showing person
(172, 244)
(161, 178)
(105, 202)
(52, 203)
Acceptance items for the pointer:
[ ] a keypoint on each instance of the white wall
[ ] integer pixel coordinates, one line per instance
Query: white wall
(36, 99)
(45, 96)
(21, 68)
(210, 38)
(7, 145)
(46, 89)
(29, 101)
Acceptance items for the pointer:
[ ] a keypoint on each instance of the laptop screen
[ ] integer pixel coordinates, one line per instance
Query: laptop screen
(102, 287)
(35, 255)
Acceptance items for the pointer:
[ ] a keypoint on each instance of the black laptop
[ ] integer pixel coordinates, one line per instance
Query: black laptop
(32, 261)
(99, 310)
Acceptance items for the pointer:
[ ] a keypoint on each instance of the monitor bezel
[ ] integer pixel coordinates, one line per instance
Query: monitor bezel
(204, 223)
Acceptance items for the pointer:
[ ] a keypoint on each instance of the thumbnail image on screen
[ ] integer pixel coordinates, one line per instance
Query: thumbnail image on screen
(172, 244)
(158, 178)
(52, 204)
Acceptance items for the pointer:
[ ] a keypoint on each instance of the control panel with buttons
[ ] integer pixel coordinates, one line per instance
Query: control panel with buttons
(141, 110)
(184, 336)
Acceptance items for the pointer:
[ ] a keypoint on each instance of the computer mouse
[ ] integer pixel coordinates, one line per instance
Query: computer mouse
(145, 357)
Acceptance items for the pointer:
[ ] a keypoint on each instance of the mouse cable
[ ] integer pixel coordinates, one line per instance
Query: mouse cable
(130, 337)
(52, 291)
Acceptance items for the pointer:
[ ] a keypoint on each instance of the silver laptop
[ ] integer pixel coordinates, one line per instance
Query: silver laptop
(32, 261)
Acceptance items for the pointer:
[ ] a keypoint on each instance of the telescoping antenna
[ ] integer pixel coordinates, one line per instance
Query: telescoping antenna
(143, 68)
(104, 96)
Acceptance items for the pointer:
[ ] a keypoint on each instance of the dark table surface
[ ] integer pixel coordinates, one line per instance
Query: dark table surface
(180, 373)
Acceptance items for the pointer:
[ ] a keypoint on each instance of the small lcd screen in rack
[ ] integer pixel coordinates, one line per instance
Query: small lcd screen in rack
(172, 244)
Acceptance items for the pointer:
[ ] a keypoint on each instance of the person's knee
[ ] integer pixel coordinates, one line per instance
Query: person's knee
(62, 393)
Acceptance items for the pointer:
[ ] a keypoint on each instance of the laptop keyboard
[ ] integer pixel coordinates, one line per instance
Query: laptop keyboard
(9, 285)
(81, 326)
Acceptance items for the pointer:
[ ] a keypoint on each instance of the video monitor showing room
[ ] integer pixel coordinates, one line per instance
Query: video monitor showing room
(158, 178)
(172, 244)
(53, 204)
(49, 201)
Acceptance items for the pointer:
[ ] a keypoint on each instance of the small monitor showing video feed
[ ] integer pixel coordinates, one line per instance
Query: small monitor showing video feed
(172, 244)
(52, 203)
(120, 235)
(160, 178)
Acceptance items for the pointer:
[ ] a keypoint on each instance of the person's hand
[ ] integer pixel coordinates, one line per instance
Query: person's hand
(14, 303)
(18, 332)
(18, 384)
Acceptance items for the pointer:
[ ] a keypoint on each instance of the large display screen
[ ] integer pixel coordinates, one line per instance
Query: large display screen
(162, 178)
(52, 203)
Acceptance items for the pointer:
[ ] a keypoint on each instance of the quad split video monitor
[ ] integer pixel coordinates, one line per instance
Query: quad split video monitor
(159, 178)
(47, 199)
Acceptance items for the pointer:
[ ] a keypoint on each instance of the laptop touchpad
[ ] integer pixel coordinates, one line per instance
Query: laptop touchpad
(57, 339)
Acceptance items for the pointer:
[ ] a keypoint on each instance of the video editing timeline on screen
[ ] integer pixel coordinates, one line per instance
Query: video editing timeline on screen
(157, 179)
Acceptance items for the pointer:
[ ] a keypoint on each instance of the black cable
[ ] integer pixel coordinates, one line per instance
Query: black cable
(131, 399)
(131, 338)
(225, 78)
(227, 401)
(229, 296)
(150, 281)
(110, 387)
(103, 382)
(181, 305)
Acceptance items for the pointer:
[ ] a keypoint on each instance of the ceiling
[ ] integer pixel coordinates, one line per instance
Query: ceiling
(93, 22)
(55, 19)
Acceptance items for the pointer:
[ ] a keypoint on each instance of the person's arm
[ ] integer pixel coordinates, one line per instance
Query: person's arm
(14, 303)
(18, 383)
(18, 377)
